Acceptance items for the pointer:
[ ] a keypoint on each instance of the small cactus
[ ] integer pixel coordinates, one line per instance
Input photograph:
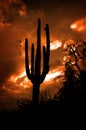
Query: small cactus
(35, 74)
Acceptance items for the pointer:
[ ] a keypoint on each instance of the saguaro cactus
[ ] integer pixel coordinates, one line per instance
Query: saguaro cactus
(35, 74)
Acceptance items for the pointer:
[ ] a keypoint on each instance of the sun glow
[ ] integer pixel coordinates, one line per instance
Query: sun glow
(56, 44)
(73, 26)
(53, 74)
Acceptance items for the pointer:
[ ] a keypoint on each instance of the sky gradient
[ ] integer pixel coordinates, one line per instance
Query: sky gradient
(18, 20)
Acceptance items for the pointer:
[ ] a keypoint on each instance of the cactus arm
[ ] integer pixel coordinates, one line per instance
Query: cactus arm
(42, 76)
(27, 59)
(32, 59)
(44, 58)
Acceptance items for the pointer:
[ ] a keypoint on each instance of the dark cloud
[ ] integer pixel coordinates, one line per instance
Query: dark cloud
(68, 7)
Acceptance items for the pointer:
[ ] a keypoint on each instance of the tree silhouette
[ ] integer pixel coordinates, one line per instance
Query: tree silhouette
(35, 75)
(77, 51)
(74, 89)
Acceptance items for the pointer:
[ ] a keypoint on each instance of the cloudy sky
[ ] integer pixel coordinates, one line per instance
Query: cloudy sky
(18, 20)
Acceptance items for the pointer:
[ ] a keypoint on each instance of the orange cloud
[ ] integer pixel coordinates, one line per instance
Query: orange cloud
(79, 25)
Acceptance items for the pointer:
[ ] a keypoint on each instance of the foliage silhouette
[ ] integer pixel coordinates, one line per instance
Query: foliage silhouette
(70, 91)
(46, 105)
(35, 75)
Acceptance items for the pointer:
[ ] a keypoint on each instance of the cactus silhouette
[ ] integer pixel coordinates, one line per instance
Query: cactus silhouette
(35, 74)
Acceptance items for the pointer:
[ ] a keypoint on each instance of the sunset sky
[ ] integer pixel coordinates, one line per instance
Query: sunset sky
(18, 20)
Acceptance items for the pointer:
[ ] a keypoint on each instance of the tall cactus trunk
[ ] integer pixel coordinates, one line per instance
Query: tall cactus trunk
(35, 75)
(35, 94)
